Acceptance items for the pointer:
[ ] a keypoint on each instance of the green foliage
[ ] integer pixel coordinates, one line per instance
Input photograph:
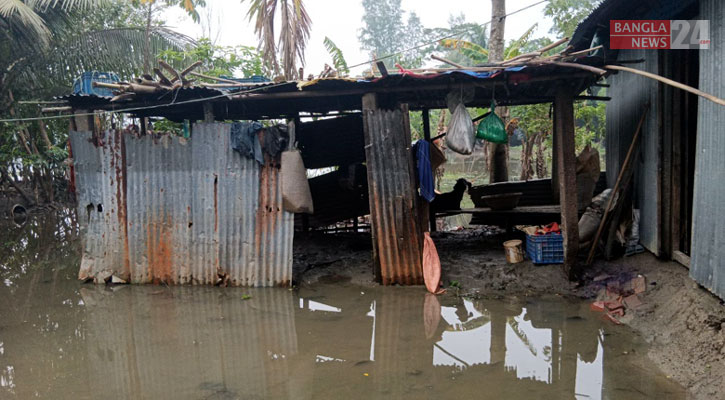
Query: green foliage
(463, 42)
(338, 60)
(220, 60)
(384, 33)
(567, 14)
(40, 58)
(590, 124)
(476, 53)
(473, 52)
(589, 119)
(533, 118)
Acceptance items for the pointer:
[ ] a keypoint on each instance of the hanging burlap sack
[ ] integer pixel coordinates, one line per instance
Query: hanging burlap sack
(296, 195)
(587, 174)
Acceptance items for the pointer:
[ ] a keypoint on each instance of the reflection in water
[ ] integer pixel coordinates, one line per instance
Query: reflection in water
(62, 339)
(528, 349)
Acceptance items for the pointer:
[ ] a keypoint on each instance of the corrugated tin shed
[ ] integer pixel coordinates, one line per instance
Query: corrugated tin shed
(630, 93)
(708, 225)
(167, 209)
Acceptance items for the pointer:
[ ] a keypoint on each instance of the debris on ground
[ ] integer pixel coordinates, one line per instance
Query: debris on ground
(618, 295)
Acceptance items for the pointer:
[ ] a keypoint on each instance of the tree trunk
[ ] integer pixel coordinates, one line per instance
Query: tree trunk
(498, 152)
(147, 43)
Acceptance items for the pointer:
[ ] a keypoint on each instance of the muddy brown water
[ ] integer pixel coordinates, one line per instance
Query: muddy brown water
(61, 339)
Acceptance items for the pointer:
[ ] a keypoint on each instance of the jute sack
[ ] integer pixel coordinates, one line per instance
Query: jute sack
(296, 196)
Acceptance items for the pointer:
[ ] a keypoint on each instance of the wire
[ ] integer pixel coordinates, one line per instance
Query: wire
(122, 110)
(254, 89)
(444, 37)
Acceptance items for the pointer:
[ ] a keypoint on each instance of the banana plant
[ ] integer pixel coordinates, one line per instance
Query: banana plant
(479, 55)
(338, 60)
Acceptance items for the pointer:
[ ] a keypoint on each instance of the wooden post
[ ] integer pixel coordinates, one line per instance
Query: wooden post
(566, 171)
(554, 166)
(394, 211)
(426, 136)
(208, 112)
(83, 123)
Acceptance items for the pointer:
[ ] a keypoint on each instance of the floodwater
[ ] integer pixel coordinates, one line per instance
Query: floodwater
(62, 339)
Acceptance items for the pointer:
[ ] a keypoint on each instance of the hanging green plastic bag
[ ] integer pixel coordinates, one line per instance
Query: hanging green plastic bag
(492, 128)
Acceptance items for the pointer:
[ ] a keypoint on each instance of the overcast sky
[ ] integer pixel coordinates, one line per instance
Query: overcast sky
(341, 21)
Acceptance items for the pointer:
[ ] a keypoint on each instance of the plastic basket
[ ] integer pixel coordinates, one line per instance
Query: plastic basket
(545, 249)
(84, 83)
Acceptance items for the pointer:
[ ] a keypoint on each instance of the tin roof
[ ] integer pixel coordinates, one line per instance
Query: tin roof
(516, 85)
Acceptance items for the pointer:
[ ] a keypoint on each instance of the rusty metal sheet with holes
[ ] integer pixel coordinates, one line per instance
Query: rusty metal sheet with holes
(168, 209)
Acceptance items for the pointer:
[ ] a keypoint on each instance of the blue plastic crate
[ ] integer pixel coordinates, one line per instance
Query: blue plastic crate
(545, 249)
(84, 83)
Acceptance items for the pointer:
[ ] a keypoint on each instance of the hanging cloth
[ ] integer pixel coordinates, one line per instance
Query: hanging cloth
(425, 171)
(244, 139)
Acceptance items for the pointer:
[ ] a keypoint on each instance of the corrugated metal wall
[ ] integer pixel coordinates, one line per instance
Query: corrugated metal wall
(396, 227)
(708, 231)
(181, 211)
(629, 95)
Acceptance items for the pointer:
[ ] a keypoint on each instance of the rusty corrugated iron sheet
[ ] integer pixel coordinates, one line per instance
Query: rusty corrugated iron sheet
(707, 265)
(396, 228)
(181, 211)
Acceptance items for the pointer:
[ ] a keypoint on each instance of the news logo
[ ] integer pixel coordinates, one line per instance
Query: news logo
(659, 34)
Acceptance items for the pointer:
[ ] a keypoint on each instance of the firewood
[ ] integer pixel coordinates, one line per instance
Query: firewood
(162, 78)
(143, 89)
(170, 70)
(190, 68)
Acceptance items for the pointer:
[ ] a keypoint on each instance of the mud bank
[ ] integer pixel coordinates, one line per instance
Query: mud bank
(684, 324)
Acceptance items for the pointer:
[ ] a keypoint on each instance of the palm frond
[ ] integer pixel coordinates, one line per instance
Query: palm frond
(338, 60)
(116, 50)
(17, 12)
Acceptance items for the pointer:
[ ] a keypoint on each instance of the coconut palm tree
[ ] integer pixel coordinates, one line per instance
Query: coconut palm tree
(293, 35)
(43, 47)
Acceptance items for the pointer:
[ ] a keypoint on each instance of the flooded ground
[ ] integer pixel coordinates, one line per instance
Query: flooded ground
(62, 339)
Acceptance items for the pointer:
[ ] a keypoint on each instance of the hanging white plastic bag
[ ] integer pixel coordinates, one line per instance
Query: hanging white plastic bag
(461, 135)
(296, 196)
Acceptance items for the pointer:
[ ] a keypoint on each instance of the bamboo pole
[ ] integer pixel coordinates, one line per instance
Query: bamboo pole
(170, 70)
(108, 85)
(190, 68)
(200, 75)
(56, 109)
(576, 53)
(670, 82)
(551, 46)
(449, 62)
(615, 189)
(585, 67)
(233, 85)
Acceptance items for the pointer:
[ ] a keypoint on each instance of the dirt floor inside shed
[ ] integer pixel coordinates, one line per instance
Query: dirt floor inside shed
(683, 322)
